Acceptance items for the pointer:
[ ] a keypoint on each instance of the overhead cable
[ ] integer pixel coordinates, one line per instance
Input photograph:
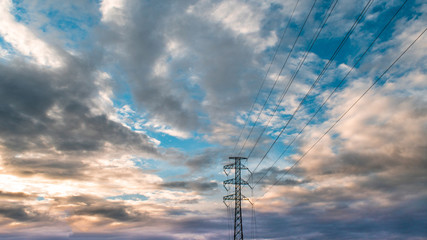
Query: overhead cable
(337, 50)
(266, 74)
(335, 89)
(275, 82)
(339, 119)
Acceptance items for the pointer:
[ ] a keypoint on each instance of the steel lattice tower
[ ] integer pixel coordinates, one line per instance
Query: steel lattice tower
(237, 196)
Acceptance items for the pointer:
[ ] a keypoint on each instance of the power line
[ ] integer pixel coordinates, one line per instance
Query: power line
(336, 122)
(339, 85)
(266, 74)
(229, 221)
(337, 50)
(275, 82)
(254, 225)
(313, 41)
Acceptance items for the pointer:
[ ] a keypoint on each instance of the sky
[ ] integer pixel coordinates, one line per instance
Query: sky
(117, 116)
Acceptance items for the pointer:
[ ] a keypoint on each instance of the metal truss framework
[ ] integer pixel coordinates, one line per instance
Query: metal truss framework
(237, 196)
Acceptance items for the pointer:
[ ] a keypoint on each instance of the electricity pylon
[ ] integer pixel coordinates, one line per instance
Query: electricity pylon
(237, 196)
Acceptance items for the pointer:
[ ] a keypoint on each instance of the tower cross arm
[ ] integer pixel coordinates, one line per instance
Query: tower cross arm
(233, 182)
(233, 166)
(232, 197)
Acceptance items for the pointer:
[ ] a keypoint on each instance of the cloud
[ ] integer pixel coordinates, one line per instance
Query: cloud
(13, 195)
(346, 220)
(52, 107)
(140, 46)
(274, 175)
(365, 176)
(24, 40)
(191, 185)
(50, 135)
(20, 213)
(117, 213)
(206, 159)
(53, 168)
(80, 160)
(200, 83)
(112, 11)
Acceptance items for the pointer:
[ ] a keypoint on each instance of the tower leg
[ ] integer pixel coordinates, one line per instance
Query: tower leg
(238, 226)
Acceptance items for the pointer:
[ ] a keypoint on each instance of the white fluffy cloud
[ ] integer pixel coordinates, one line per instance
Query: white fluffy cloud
(25, 40)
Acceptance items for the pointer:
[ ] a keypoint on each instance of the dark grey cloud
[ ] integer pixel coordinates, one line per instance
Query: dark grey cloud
(191, 185)
(384, 200)
(118, 236)
(88, 236)
(274, 175)
(49, 111)
(361, 189)
(210, 228)
(206, 159)
(26, 97)
(53, 168)
(20, 213)
(190, 201)
(78, 199)
(14, 195)
(91, 205)
(221, 64)
(140, 45)
(117, 213)
(364, 163)
(178, 212)
(199, 164)
(393, 172)
(342, 221)
(28, 93)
